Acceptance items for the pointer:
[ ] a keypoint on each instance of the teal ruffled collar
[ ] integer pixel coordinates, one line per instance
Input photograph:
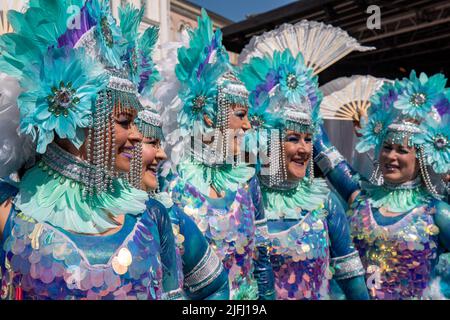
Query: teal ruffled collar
(222, 178)
(47, 195)
(288, 204)
(398, 198)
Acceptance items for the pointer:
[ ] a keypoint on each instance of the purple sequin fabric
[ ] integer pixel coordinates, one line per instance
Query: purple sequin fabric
(398, 258)
(41, 262)
(300, 259)
(229, 229)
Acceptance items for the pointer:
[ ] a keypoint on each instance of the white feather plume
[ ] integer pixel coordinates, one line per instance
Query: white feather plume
(321, 44)
(166, 91)
(15, 150)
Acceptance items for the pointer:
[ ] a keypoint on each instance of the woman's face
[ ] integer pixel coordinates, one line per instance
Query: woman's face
(238, 121)
(297, 150)
(152, 155)
(398, 163)
(127, 136)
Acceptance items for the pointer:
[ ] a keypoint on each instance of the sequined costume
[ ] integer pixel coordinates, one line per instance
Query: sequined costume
(203, 159)
(75, 84)
(307, 232)
(45, 262)
(310, 245)
(201, 273)
(203, 276)
(399, 252)
(232, 226)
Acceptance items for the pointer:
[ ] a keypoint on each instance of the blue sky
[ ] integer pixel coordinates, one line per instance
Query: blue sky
(236, 10)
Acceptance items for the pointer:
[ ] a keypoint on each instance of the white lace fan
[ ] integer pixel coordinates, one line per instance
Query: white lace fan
(348, 98)
(321, 44)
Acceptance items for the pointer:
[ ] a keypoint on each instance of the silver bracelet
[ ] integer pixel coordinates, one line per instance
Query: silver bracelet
(328, 159)
(174, 295)
(205, 272)
(348, 266)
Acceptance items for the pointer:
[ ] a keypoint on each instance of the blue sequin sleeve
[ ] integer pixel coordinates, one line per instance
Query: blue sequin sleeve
(262, 266)
(7, 191)
(346, 263)
(442, 220)
(168, 249)
(205, 277)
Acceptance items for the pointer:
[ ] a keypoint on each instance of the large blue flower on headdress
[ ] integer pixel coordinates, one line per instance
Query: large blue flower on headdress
(418, 95)
(58, 96)
(109, 36)
(374, 131)
(293, 75)
(435, 141)
(199, 99)
(381, 114)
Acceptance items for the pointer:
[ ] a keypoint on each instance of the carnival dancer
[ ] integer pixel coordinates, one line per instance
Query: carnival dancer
(76, 229)
(202, 274)
(398, 222)
(210, 185)
(307, 227)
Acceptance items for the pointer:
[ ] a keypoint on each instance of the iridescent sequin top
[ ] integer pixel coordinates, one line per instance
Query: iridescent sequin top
(42, 262)
(398, 257)
(201, 273)
(300, 258)
(309, 241)
(229, 226)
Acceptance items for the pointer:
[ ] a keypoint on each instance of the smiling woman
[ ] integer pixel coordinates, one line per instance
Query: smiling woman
(125, 142)
(399, 223)
(307, 228)
(298, 151)
(398, 162)
(192, 248)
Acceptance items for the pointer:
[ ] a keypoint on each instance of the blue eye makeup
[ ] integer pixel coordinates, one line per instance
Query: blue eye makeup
(240, 113)
(292, 138)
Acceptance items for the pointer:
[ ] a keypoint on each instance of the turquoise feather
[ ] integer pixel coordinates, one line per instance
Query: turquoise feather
(255, 72)
(191, 58)
(147, 41)
(130, 18)
(398, 200)
(34, 32)
(223, 179)
(306, 196)
(60, 202)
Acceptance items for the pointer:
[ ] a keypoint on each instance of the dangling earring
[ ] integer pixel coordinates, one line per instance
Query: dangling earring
(311, 166)
(424, 173)
(377, 176)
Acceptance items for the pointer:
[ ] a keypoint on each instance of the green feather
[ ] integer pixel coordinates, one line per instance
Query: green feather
(130, 18)
(34, 32)
(148, 40)
(190, 58)
(255, 72)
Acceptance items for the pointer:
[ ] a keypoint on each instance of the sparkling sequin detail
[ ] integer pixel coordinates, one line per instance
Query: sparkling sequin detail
(230, 231)
(300, 259)
(398, 258)
(45, 264)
